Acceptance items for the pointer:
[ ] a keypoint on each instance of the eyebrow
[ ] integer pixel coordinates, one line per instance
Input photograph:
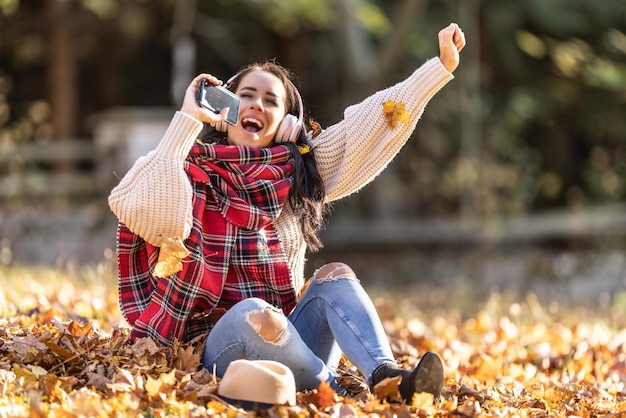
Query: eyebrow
(269, 93)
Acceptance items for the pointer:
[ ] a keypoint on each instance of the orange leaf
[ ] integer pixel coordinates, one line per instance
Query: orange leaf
(55, 387)
(423, 400)
(78, 330)
(487, 367)
(62, 352)
(322, 397)
(388, 388)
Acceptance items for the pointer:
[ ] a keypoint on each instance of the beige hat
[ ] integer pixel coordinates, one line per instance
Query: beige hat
(253, 384)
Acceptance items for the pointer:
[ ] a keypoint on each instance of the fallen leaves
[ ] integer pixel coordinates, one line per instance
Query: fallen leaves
(57, 362)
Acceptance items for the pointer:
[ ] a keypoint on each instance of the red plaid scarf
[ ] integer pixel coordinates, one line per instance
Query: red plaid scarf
(237, 193)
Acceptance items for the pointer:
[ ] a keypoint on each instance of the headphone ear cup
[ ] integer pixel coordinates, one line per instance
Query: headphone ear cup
(288, 130)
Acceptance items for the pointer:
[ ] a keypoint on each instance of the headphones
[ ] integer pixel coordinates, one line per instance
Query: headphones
(289, 128)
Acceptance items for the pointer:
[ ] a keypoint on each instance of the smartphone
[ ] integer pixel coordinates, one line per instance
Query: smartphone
(216, 98)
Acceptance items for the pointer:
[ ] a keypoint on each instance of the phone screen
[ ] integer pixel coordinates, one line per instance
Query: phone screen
(216, 98)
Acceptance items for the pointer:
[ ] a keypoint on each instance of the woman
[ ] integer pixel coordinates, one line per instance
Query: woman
(247, 200)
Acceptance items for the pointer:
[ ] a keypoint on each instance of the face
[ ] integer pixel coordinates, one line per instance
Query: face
(261, 109)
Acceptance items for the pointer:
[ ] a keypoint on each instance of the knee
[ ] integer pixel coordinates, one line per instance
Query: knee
(271, 325)
(248, 305)
(333, 271)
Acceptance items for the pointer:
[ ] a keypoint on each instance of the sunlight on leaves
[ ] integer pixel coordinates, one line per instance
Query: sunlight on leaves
(505, 360)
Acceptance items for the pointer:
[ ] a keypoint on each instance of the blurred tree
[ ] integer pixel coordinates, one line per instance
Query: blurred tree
(534, 120)
(556, 90)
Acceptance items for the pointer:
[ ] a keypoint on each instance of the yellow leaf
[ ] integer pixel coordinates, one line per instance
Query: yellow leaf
(153, 387)
(171, 254)
(395, 113)
(27, 375)
(38, 371)
(168, 379)
(487, 367)
(423, 400)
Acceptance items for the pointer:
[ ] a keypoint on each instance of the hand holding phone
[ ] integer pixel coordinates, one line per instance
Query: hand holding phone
(216, 98)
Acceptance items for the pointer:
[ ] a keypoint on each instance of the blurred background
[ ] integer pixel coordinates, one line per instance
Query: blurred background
(513, 180)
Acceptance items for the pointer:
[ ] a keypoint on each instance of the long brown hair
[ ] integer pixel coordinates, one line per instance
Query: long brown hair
(307, 192)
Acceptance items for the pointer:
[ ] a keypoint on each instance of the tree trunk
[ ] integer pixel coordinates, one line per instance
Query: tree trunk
(61, 69)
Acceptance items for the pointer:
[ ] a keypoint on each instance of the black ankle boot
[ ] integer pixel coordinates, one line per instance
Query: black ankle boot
(427, 376)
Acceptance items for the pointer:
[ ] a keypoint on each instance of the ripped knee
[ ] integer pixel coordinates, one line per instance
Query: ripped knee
(333, 271)
(270, 324)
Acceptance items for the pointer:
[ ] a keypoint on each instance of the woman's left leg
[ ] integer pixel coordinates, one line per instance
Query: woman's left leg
(336, 315)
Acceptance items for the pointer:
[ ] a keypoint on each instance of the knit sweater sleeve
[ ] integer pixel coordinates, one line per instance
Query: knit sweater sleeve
(354, 151)
(154, 198)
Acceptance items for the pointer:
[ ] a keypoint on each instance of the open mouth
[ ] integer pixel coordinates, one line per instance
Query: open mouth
(251, 125)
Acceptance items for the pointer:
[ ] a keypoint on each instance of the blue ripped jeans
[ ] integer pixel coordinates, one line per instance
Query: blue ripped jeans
(335, 315)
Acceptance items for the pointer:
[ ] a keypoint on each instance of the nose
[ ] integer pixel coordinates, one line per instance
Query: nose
(257, 103)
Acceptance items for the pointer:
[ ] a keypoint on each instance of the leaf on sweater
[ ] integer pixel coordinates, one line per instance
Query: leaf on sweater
(395, 113)
(170, 257)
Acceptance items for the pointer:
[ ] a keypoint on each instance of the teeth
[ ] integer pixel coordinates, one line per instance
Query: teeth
(253, 121)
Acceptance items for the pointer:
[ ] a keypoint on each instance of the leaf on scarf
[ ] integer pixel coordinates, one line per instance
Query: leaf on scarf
(395, 113)
(170, 257)
(304, 149)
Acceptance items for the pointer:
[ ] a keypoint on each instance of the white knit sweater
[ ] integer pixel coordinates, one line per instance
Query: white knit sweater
(154, 198)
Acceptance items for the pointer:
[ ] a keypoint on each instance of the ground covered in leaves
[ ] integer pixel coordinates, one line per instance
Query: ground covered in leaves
(64, 352)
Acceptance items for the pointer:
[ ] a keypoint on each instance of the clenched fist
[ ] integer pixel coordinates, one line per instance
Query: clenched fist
(451, 42)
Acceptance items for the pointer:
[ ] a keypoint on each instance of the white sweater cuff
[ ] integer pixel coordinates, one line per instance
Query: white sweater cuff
(179, 137)
(432, 73)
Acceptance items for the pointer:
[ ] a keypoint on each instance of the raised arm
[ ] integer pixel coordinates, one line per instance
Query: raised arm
(352, 152)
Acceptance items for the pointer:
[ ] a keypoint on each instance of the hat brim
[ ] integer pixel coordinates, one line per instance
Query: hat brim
(247, 405)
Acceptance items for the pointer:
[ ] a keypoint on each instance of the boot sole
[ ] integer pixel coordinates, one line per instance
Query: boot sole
(427, 377)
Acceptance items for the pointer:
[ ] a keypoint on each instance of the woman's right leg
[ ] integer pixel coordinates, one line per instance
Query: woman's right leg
(253, 329)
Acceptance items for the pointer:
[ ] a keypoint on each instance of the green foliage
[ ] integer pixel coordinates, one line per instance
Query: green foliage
(534, 119)
(8, 7)
(289, 17)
